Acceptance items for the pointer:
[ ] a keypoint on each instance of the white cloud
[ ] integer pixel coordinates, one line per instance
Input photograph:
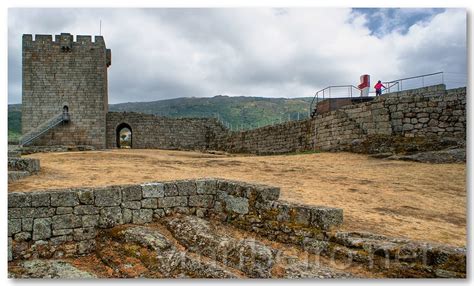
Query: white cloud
(166, 53)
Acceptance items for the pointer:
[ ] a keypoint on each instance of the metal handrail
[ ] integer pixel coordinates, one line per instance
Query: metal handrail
(44, 127)
(423, 76)
(316, 95)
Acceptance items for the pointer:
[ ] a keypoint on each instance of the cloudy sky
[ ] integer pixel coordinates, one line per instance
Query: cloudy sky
(167, 53)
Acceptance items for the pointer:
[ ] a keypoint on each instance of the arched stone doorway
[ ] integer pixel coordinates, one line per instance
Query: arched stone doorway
(123, 136)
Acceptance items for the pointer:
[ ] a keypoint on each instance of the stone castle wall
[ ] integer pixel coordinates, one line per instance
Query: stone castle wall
(430, 112)
(64, 72)
(156, 132)
(293, 136)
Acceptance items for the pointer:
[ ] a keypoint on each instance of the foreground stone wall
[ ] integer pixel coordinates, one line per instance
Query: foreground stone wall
(431, 112)
(68, 220)
(62, 72)
(150, 131)
(66, 223)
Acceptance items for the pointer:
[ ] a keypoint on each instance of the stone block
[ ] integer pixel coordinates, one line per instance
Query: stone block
(108, 197)
(86, 196)
(324, 218)
(110, 217)
(236, 204)
(206, 187)
(142, 216)
(151, 203)
(153, 190)
(66, 221)
(64, 199)
(27, 224)
(14, 226)
(158, 213)
(64, 210)
(90, 220)
(170, 189)
(86, 210)
(18, 200)
(267, 193)
(168, 202)
(134, 205)
(127, 215)
(61, 232)
(186, 187)
(41, 228)
(40, 199)
(22, 236)
(131, 193)
(205, 201)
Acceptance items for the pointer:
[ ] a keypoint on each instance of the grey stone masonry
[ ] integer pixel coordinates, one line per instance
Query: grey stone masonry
(55, 75)
(151, 131)
(75, 215)
(431, 111)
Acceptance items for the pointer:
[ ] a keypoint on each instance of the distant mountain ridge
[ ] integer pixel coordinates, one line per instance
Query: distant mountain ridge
(238, 112)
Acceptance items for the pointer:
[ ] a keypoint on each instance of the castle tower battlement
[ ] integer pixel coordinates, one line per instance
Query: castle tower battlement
(62, 72)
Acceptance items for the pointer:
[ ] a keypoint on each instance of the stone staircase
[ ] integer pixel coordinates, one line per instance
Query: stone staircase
(51, 123)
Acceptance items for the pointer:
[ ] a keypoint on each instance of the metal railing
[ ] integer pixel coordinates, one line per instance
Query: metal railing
(415, 82)
(332, 92)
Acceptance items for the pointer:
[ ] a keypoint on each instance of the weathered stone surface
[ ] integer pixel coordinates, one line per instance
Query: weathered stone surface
(324, 218)
(249, 256)
(64, 199)
(90, 220)
(236, 204)
(50, 269)
(27, 224)
(151, 203)
(170, 189)
(41, 228)
(186, 187)
(86, 196)
(134, 205)
(22, 236)
(14, 226)
(205, 201)
(127, 215)
(10, 249)
(153, 190)
(169, 202)
(18, 200)
(86, 210)
(66, 221)
(40, 199)
(84, 233)
(438, 157)
(142, 216)
(86, 246)
(108, 197)
(131, 193)
(206, 186)
(61, 232)
(110, 217)
(64, 210)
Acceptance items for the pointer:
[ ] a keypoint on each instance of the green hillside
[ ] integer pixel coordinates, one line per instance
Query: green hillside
(244, 112)
(239, 112)
(14, 121)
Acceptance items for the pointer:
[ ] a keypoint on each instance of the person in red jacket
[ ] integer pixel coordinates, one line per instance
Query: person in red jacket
(378, 88)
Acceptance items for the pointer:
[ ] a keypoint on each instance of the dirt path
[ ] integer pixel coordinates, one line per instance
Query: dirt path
(415, 200)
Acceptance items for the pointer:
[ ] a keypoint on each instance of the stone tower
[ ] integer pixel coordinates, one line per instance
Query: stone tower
(63, 75)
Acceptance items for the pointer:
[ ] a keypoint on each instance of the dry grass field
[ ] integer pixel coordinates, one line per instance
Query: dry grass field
(414, 200)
